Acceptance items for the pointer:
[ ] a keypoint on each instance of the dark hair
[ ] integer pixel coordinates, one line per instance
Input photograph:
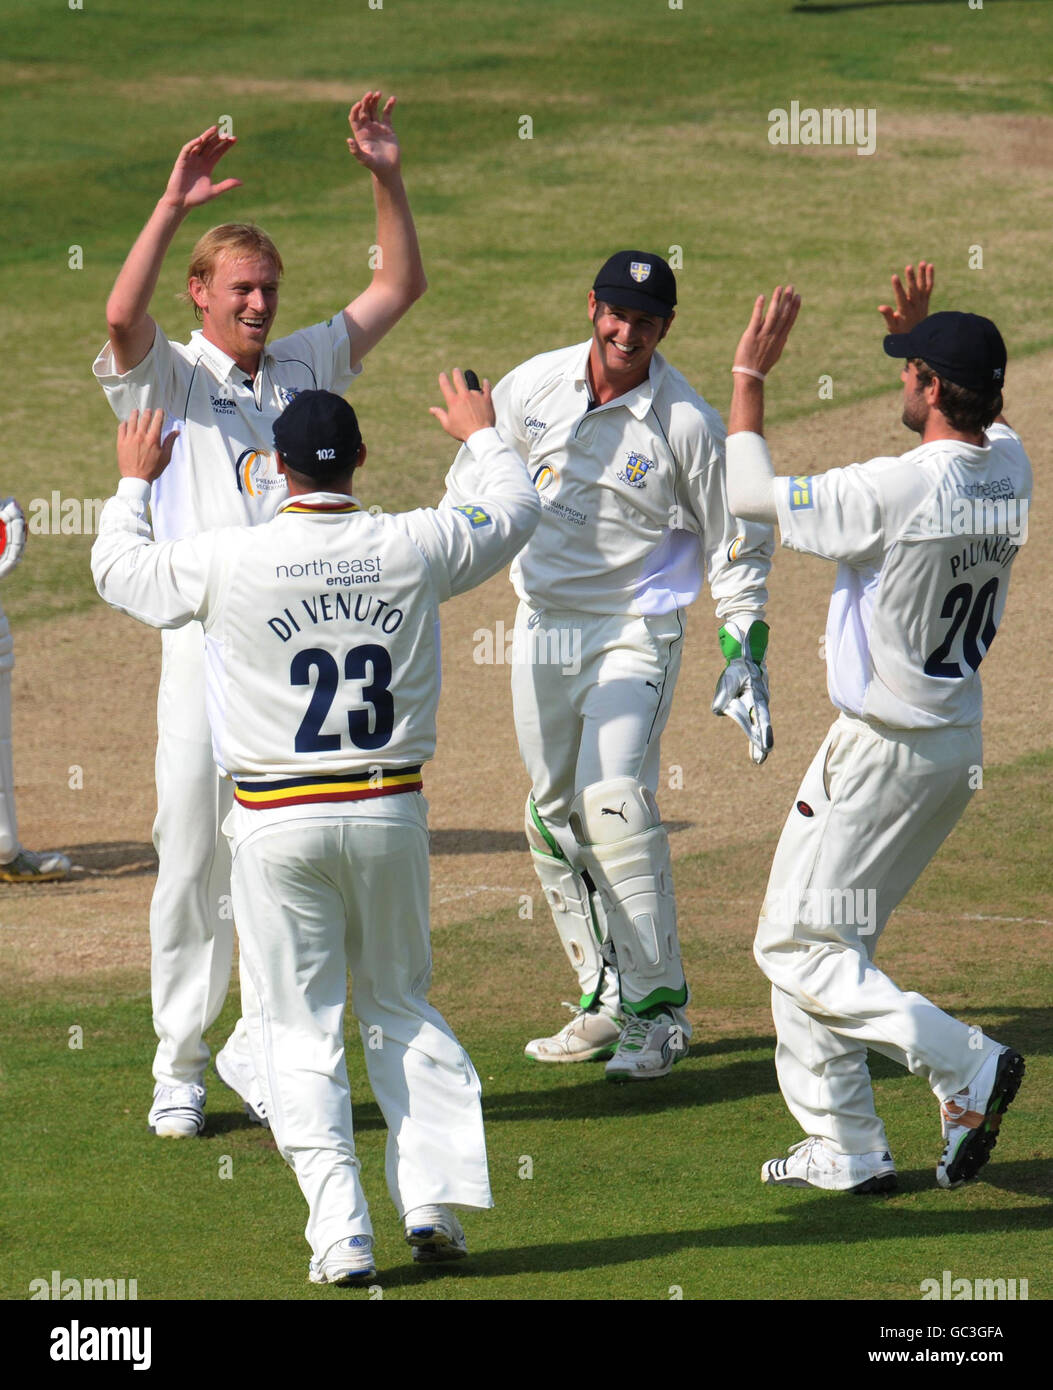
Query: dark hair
(323, 477)
(964, 409)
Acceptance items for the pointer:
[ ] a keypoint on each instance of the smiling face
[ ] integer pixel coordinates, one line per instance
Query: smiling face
(238, 306)
(623, 343)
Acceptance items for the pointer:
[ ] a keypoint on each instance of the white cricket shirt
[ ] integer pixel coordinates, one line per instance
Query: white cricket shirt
(321, 625)
(925, 544)
(632, 495)
(223, 469)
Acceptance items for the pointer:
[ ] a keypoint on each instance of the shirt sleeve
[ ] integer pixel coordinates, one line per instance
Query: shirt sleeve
(836, 515)
(324, 349)
(737, 553)
(465, 542)
(466, 476)
(160, 381)
(163, 585)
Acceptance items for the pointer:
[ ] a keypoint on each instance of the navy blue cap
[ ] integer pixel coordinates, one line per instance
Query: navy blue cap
(637, 280)
(317, 434)
(965, 349)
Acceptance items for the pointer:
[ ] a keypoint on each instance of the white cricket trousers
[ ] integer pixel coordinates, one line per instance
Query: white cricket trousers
(191, 918)
(313, 899)
(873, 809)
(591, 696)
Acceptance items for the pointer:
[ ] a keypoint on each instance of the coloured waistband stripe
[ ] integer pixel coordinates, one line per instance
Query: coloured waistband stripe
(300, 791)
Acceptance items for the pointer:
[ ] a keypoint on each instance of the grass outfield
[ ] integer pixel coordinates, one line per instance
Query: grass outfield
(601, 1191)
(649, 128)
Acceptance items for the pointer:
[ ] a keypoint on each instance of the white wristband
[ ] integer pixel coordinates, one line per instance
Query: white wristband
(749, 371)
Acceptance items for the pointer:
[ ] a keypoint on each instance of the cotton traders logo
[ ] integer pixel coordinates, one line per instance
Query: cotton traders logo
(639, 270)
(636, 469)
(287, 394)
(255, 473)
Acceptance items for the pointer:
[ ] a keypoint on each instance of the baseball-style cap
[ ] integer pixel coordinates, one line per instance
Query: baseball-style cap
(317, 434)
(637, 280)
(963, 348)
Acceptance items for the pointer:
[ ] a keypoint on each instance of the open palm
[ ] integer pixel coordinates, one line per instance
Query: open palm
(373, 140)
(190, 184)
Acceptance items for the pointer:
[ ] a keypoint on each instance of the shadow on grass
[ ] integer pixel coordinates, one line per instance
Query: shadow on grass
(803, 7)
(503, 841)
(112, 859)
(798, 1219)
(549, 1093)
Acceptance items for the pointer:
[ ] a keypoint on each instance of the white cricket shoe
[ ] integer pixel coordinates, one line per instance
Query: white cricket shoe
(27, 867)
(349, 1261)
(238, 1073)
(178, 1112)
(591, 1033)
(435, 1235)
(647, 1048)
(813, 1163)
(970, 1120)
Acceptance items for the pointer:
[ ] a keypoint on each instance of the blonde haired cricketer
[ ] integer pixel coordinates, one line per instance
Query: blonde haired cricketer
(224, 390)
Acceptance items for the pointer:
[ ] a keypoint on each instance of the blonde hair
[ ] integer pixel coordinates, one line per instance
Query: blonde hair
(240, 240)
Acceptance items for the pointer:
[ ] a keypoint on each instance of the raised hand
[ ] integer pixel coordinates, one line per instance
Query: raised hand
(760, 347)
(373, 141)
(141, 452)
(190, 183)
(466, 410)
(912, 298)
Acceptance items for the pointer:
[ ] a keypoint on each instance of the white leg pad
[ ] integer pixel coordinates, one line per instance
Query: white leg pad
(568, 901)
(578, 920)
(626, 851)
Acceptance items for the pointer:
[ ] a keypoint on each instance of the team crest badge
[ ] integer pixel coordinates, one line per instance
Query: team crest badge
(287, 394)
(636, 469)
(639, 270)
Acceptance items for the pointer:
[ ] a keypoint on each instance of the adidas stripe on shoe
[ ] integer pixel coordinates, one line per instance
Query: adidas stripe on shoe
(813, 1163)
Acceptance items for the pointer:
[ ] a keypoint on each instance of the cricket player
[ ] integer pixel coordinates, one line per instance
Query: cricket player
(628, 461)
(224, 390)
(17, 865)
(925, 545)
(321, 634)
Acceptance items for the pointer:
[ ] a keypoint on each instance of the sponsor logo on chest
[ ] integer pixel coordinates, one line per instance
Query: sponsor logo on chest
(256, 474)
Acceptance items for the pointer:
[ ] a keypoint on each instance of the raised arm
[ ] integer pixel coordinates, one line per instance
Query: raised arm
(749, 470)
(131, 328)
(398, 278)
